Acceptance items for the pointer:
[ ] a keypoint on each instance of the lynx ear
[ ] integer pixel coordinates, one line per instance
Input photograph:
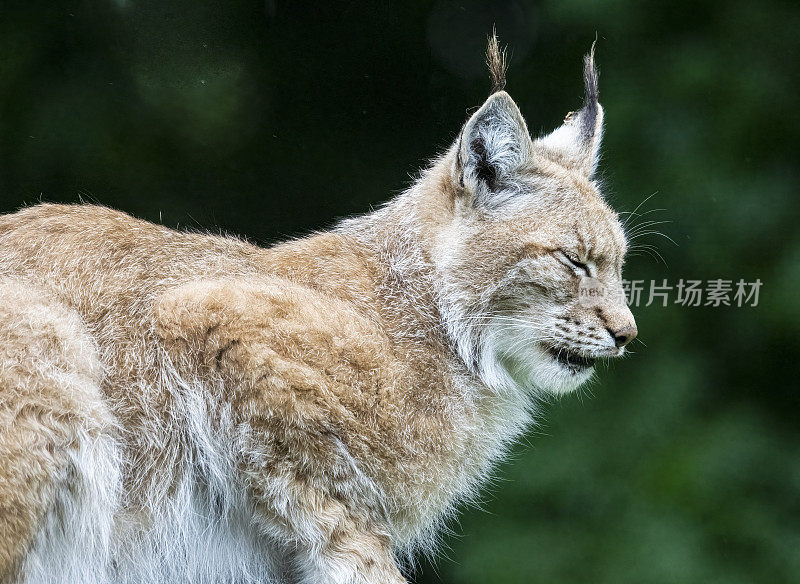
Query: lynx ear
(493, 145)
(495, 141)
(576, 143)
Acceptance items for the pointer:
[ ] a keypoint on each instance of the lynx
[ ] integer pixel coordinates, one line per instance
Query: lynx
(185, 407)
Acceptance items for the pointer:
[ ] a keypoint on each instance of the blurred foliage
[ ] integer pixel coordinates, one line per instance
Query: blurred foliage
(272, 118)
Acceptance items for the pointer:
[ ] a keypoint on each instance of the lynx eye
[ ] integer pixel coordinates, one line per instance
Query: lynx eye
(574, 262)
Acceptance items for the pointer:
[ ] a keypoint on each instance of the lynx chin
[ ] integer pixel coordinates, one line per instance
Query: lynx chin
(184, 407)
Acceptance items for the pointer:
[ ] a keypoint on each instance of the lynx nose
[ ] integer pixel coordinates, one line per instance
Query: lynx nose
(624, 335)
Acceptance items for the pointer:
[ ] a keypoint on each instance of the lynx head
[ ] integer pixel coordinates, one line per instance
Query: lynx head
(529, 261)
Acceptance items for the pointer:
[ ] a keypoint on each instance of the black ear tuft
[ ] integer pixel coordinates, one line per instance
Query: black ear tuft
(576, 143)
(590, 94)
(496, 61)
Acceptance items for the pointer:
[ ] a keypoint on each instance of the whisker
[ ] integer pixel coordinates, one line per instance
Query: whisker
(633, 213)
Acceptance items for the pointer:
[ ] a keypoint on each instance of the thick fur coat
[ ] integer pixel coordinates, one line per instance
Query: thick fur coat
(182, 407)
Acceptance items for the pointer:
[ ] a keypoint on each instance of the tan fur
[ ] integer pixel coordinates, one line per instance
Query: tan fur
(329, 399)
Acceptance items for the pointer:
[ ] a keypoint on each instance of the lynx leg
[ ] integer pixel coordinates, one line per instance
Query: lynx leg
(332, 543)
(351, 556)
(59, 474)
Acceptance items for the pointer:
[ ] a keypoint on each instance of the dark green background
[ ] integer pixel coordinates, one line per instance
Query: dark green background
(269, 119)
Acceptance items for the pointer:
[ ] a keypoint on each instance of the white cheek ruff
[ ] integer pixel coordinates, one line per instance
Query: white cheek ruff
(511, 357)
